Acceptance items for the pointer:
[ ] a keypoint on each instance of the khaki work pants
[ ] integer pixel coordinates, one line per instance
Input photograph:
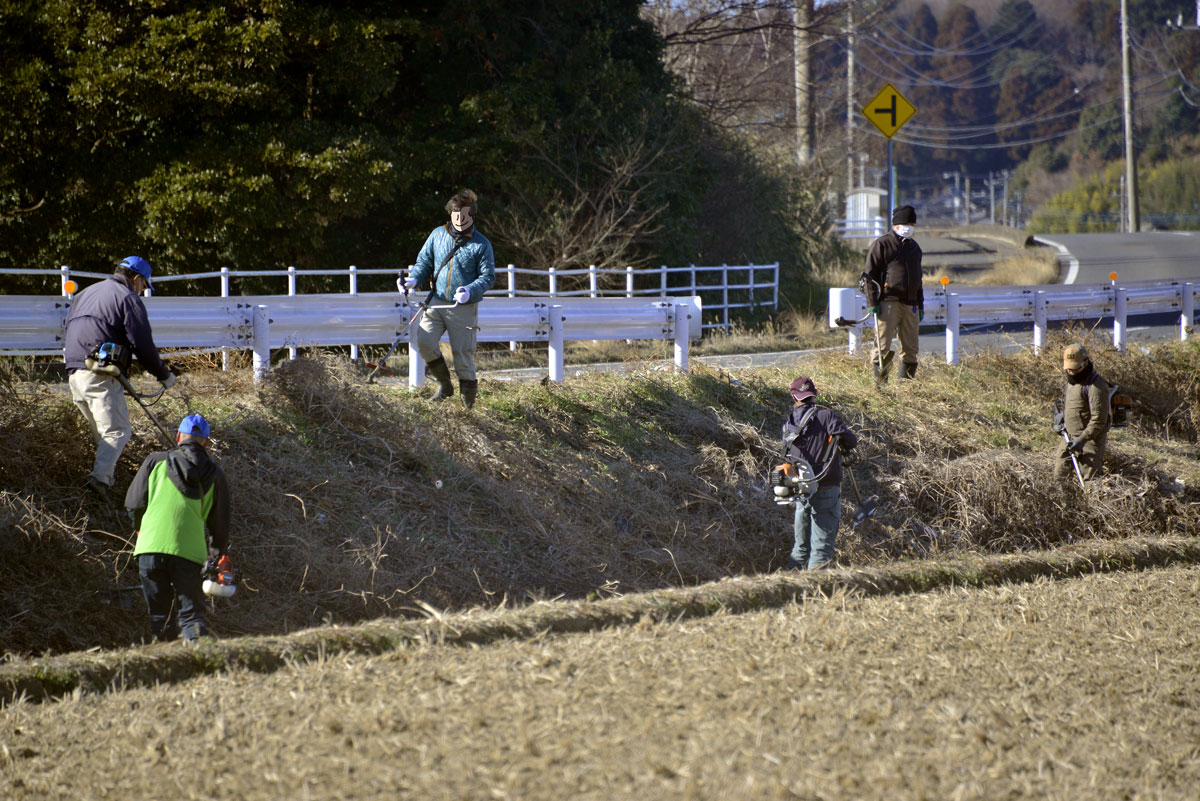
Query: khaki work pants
(460, 324)
(1091, 460)
(900, 321)
(101, 399)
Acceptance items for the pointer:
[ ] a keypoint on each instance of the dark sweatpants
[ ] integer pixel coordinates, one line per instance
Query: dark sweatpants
(166, 577)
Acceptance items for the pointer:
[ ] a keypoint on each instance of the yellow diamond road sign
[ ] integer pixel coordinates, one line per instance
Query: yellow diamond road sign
(889, 110)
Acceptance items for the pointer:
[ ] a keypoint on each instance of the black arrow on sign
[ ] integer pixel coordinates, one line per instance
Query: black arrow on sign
(892, 111)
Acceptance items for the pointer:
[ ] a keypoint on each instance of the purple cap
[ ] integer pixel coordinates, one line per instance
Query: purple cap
(802, 388)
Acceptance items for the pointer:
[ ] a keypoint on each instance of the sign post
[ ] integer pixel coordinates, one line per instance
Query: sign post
(888, 111)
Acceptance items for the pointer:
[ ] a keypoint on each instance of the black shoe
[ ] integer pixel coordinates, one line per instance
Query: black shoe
(98, 487)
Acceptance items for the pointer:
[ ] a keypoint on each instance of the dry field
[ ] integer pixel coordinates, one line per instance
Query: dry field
(1079, 688)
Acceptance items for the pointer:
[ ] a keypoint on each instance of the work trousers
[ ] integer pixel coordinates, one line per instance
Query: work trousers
(815, 528)
(167, 579)
(1091, 460)
(460, 324)
(900, 321)
(101, 399)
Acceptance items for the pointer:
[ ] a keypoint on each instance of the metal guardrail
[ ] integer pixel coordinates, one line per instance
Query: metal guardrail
(753, 285)
(36, 324)
(1037, 304)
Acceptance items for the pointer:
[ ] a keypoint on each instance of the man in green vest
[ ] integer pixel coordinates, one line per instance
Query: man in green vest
(174, 497)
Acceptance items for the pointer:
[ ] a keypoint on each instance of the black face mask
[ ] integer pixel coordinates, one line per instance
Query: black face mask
(1080, 377)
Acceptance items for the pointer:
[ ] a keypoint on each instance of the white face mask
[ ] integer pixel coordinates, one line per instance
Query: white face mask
(903, 231)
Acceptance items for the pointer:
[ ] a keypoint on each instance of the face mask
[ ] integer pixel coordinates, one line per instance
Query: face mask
(904, 231)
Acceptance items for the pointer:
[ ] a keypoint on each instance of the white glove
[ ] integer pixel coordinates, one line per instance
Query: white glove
(462, 295)
(169, 381)
(405, 285)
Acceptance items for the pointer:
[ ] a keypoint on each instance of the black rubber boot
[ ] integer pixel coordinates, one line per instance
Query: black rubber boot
(469, 390)
(906, 370)
(881, 372)
(438, 369)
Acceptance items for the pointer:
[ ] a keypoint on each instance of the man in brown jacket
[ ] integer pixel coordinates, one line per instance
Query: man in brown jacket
(1085, 415)
(895, 294)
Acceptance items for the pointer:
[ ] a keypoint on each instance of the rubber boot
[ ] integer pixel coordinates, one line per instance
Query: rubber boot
(438, 369)
(469, 390)
(906, 370)
(881, 372)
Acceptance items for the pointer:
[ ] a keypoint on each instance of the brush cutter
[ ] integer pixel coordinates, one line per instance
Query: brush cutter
(422, 306)
(865, 509)
(137, 396)
(1060, 426)
(113, 360)
(883, 361)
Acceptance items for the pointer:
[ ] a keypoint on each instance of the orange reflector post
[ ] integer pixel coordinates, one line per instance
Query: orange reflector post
(1112, 276)
(945, 279)
(70, 286)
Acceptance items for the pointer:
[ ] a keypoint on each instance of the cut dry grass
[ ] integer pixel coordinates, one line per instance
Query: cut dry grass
(1029, 267)
(607, 484)
(1040, 690)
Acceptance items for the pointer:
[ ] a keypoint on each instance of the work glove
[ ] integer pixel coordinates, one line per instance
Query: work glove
(462, 295)
(405, 285)
(169, 381)
(873, 310)
(1076, 445)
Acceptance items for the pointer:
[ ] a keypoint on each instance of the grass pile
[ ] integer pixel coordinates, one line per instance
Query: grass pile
(354, 502)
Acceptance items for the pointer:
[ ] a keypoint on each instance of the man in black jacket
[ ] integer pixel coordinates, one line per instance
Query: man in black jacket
(809, 433)
(110, 311)
(894, 292)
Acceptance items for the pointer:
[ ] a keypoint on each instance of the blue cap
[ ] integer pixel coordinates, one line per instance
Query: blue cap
(140, 266)
(194, 424)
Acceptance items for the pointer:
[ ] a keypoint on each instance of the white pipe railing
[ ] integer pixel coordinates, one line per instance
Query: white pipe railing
(1038, 305)
(36, 324)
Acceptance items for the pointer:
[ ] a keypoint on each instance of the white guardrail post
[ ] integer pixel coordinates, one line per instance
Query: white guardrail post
(512, 293)
(556, 342)
(1039, 321)
(1188, 312)
(225, 294)
(952, 328)
(682, 339)
(353, 291)
(262, 344)
(1119, 319)
(291, 294)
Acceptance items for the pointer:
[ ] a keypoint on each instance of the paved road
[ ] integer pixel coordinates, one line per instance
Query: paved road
(1089, 258)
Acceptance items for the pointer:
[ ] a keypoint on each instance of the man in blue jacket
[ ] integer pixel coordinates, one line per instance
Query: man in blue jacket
(110, 311)
(809, 433)
(457, 262)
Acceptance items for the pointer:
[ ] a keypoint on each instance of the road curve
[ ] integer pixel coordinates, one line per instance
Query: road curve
(1149, 255)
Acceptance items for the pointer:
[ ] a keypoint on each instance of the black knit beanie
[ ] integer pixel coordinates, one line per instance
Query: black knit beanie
(904, 215)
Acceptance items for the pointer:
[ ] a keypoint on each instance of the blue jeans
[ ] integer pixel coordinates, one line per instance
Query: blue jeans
(165, 578)
(816, 525)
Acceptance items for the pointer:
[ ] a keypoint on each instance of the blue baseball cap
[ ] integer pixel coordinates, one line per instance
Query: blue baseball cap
(138, 265)
(194, 424)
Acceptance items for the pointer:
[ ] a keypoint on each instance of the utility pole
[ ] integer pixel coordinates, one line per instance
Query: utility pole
(992, 196)
(851, 111)
(1004, 213)
(967, 198)
(805, 125)
(1131, 186)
